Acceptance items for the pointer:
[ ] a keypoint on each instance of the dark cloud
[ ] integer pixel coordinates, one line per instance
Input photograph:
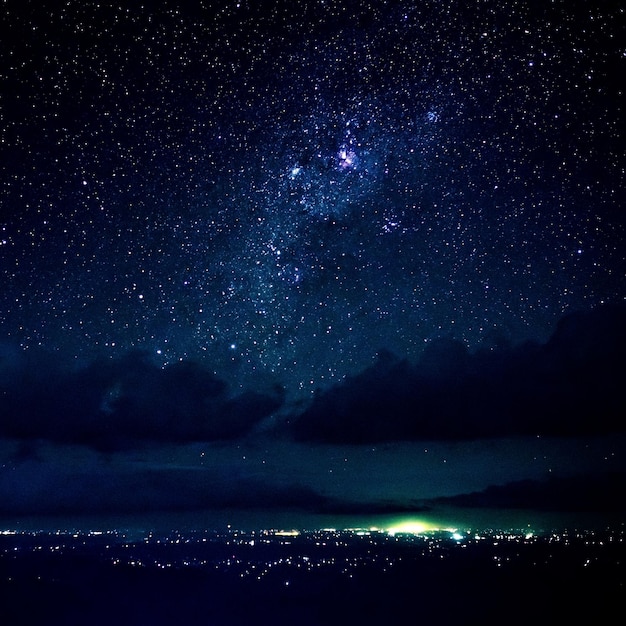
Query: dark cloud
(593, 493)
(33, 486)
(112, 403)
(574, 384)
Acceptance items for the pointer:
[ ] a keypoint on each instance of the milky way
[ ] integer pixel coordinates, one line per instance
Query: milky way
(280, 189)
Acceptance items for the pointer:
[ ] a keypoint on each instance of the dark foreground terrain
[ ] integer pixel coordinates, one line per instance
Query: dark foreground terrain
(321, 577)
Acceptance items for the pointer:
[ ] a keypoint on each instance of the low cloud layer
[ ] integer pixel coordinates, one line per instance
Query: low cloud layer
(113, 403)
(594, 493)
(575, 384)
(33, 486)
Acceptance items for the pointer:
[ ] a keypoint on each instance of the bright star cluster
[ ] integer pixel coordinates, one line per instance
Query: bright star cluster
(281, 189)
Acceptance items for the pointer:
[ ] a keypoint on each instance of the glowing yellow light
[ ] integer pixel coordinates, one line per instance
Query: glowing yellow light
(413, 527)
(287, 533)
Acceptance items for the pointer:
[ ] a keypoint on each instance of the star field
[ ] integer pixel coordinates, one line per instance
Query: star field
(281, 189)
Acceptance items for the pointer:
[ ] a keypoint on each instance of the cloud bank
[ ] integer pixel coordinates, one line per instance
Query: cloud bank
(33, 486)
(592, 493)
(113, 403)
(574, 384)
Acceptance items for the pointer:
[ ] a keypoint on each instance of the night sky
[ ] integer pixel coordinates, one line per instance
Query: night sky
(244, 243)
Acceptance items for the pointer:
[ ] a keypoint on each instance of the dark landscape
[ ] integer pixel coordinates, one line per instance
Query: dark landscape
(314, 577)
